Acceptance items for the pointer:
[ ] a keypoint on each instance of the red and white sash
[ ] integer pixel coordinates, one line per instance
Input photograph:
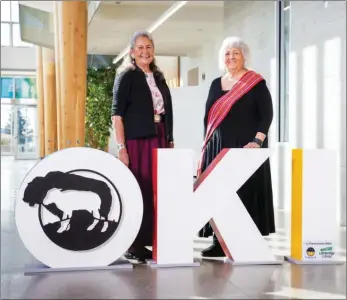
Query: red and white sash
(222, 106)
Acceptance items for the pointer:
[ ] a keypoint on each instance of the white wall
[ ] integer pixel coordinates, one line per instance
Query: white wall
(184, 67)
(112, 149)
(206, 58)
(169, 66)
(15, 58)
(189, 109)
(318, 80)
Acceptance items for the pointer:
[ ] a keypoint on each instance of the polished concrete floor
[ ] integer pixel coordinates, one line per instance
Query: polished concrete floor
(211, 280)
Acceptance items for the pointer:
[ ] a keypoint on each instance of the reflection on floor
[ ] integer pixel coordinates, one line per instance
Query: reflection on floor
(212, 279)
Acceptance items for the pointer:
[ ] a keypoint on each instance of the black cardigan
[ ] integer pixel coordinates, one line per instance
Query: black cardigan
(132, 100)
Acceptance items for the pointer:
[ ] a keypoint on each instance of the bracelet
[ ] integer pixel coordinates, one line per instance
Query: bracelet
(258, 141)
(120, 146)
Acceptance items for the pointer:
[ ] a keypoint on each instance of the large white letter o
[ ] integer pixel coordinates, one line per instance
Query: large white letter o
(82, 179)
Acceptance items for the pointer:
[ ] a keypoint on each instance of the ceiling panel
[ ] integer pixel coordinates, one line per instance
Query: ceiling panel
(137, 3)
(42, 5)
(192, 25)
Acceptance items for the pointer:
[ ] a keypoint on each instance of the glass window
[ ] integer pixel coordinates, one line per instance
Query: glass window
(25, 88)
(14, 11)
(17, 41)
(5, 34)
(6, 119)
(6, 129)
(284, 51)
(7, 87)
(5, 11)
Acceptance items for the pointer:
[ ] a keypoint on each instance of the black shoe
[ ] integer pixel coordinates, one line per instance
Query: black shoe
(215, 250)
(141, 254)
(129, 255)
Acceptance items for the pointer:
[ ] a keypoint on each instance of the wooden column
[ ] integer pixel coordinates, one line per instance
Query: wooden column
(73, 21)
(57, 76)
(40, 100)
(50, 103)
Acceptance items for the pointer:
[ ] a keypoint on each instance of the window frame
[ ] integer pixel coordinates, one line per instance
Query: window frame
(283, 69)
(10, 33)
(12, 23)
(14, 99)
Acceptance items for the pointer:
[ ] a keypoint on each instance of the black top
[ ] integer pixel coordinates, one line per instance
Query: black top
(132, 100)
(252, 113)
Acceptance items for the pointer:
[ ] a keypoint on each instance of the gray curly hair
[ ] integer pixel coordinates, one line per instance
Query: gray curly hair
(233, 42)
(129, 63)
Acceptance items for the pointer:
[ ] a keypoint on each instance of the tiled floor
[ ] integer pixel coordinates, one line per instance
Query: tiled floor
(212, 279)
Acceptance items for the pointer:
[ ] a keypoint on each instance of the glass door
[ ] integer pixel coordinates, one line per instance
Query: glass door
(7, 129)
(19, 122)
(26, 133)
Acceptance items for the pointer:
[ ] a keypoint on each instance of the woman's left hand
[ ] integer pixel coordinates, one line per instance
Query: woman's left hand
(171, 145)
(251, 145)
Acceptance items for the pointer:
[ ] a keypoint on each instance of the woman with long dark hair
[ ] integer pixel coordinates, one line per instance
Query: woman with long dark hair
(142, 119)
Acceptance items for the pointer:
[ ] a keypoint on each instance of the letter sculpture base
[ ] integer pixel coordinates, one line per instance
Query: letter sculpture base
(37, 269)
(315, 262)
(154, 265)
(279, 261)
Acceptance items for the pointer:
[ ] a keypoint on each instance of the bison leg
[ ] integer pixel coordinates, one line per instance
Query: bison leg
(65, 216)
(96, 221)
(91, 227)
(64, 226)
(103, 217)
(104, 228)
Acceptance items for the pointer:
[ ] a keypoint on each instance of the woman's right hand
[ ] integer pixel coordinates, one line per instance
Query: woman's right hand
(123, 156)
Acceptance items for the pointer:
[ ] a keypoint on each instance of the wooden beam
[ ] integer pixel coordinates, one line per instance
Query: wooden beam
(50, 103)
(40, 100)
(72, 19)
(57, 77)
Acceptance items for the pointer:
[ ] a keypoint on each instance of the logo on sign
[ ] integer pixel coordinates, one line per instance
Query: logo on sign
(326, 252)
(310, 252)
(78, 210)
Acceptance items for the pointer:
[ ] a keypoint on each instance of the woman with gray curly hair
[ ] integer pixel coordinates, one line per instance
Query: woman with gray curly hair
(238, 114)
(143, 120)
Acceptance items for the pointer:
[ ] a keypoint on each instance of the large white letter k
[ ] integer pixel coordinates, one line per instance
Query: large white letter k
(181, 210)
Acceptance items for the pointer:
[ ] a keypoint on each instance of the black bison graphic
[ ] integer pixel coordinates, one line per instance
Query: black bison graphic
(98, 204)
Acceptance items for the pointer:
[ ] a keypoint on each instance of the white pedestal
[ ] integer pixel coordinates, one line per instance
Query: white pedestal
(154, 265)
(37, 269)
(278, 261)
(314, 229)
(316, 262)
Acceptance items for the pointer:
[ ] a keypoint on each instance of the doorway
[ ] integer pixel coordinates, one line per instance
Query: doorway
(19, 131)
(7, 129)
(26, 133)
